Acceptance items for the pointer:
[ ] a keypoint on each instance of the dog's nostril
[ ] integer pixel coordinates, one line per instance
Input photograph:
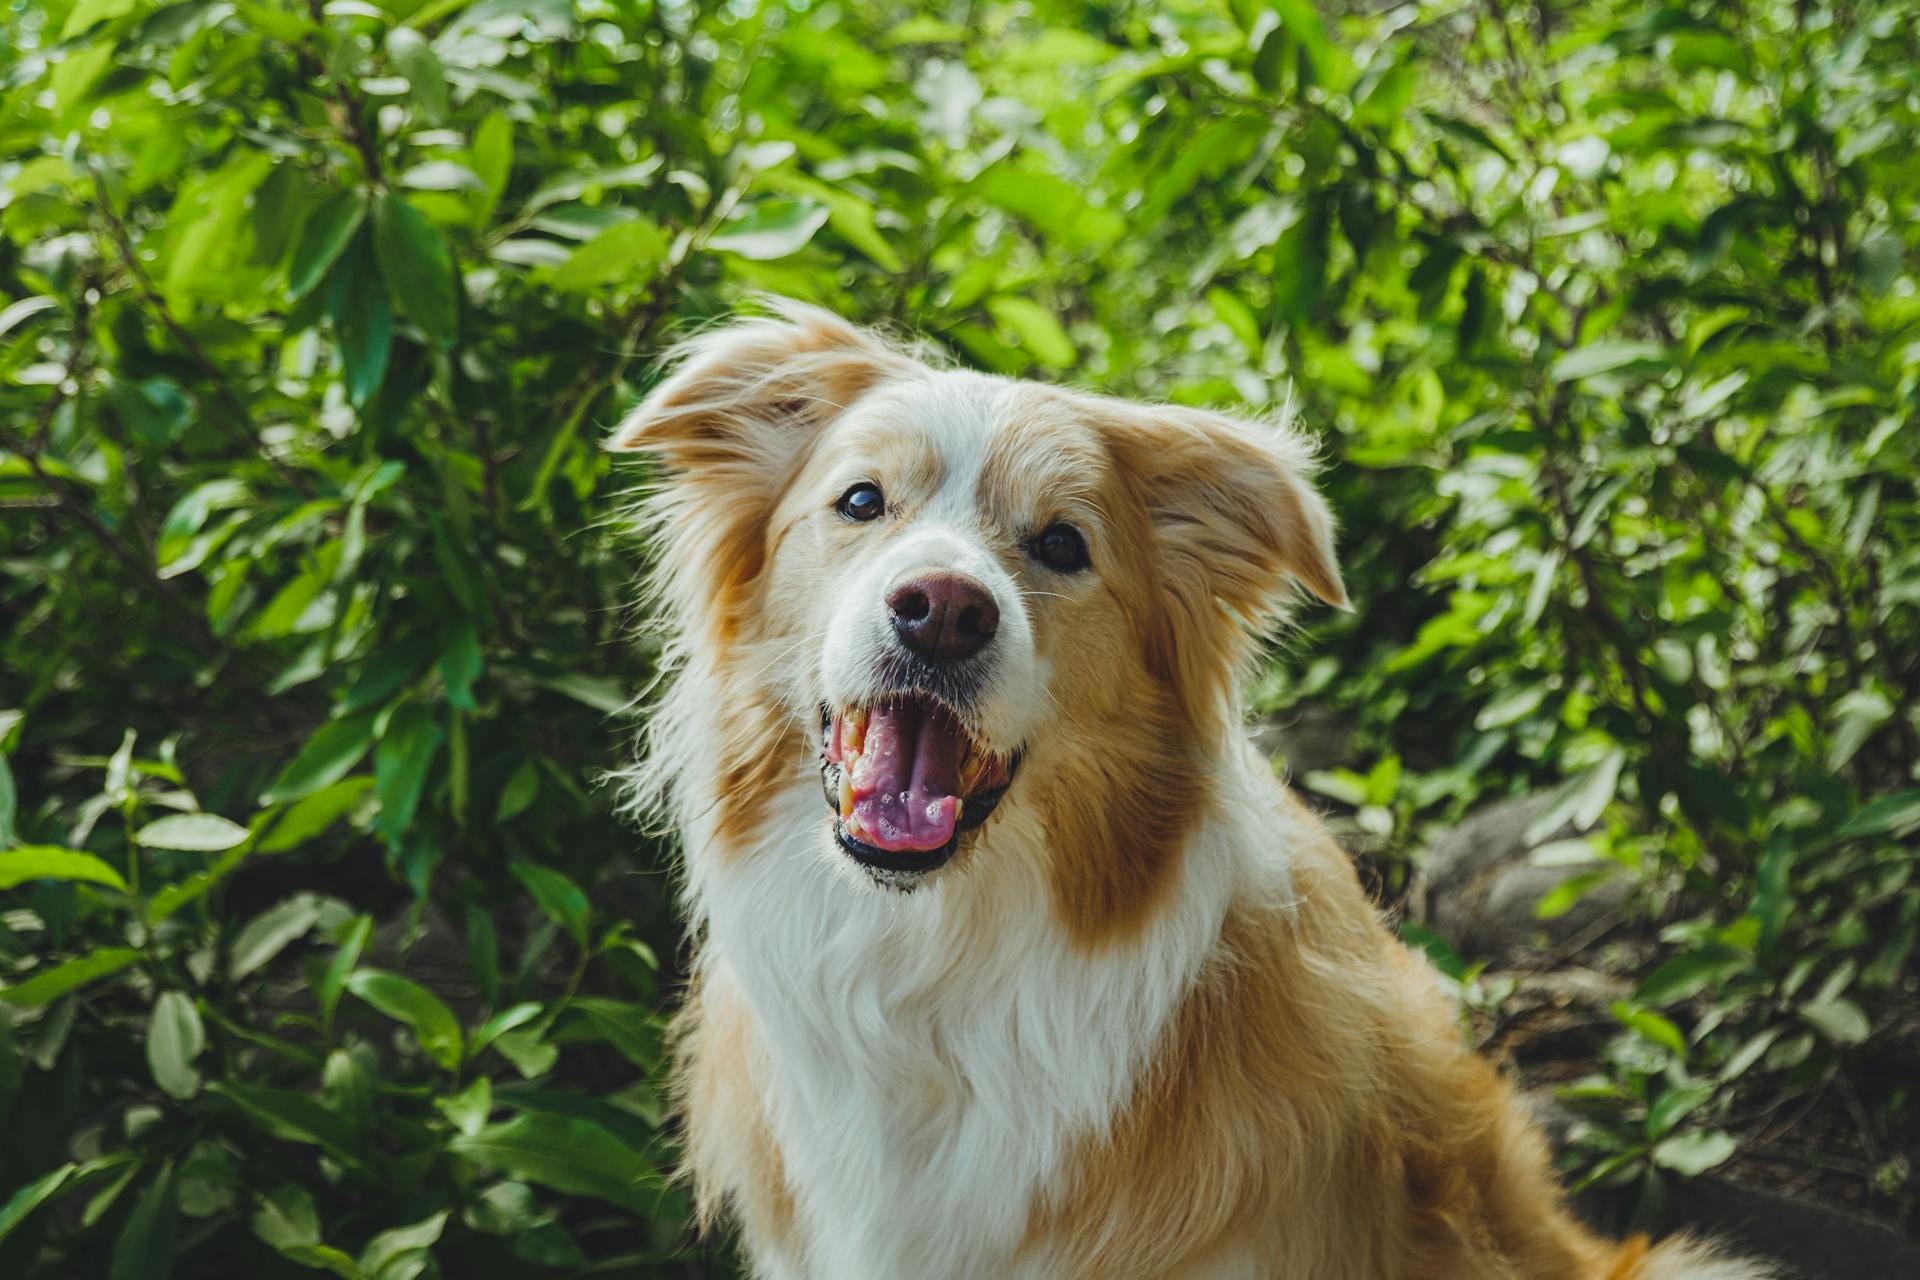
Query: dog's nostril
(944, 616)
(911, 606)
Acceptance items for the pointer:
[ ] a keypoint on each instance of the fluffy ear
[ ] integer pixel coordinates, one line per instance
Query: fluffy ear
(731, 424)
(1233, 506)
(742, 397)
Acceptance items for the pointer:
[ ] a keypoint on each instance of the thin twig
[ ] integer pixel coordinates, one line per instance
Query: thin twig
(74, 505)
(247, 432)
(348, 110)
(78, 357)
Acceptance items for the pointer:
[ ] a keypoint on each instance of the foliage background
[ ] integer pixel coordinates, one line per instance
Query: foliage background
(321, 948)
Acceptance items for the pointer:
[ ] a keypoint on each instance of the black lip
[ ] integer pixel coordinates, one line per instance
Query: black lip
(910, 862)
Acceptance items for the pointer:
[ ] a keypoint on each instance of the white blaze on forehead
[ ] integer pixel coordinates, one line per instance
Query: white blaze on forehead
(958, 414)
(963, 412)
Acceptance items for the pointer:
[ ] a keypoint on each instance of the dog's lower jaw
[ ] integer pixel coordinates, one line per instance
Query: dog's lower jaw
(904, 871)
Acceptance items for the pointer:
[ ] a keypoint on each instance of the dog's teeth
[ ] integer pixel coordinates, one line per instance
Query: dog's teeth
(959, 808)
(846, 794)
(973, 767)
(853, 731)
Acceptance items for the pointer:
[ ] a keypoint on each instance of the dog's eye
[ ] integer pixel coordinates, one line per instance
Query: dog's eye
(1061, 548)
(862, 502)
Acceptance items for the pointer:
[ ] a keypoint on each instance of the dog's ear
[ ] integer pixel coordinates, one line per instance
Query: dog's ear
(1232, 520)
(730, 425)
(741, 399)
(1233, 506)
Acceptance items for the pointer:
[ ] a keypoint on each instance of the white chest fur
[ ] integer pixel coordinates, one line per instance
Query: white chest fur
(933, 1056)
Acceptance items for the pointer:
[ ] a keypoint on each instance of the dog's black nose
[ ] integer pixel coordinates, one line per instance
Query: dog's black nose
(943, 617)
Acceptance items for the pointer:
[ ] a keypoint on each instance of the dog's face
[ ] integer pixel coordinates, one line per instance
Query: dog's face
(972, 591)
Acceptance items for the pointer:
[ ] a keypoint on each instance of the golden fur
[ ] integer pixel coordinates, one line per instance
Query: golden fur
(1308, 1109)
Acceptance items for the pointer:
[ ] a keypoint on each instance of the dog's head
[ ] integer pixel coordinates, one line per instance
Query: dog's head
(974, 592)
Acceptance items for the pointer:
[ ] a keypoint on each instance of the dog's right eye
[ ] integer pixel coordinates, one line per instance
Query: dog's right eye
(862, 502)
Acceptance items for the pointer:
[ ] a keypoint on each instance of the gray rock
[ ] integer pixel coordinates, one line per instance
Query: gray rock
(1810, 1239)
(1306, 738)
(1478, 889)
(1814, 1240)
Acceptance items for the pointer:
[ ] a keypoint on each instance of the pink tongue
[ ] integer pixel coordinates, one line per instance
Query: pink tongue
(906, 784)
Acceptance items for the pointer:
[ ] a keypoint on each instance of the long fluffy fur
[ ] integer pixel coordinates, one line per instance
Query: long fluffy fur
(1147, 1023)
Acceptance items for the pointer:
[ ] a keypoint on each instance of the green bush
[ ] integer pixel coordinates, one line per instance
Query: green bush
(321, 946)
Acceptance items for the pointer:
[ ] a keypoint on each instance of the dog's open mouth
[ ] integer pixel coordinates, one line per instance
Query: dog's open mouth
(906, 780)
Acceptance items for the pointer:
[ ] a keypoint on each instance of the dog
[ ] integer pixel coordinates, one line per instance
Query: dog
(1012, 956)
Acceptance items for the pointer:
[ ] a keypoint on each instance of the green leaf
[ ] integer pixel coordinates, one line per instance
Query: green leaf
(175, 1038)
(402, 1253)
(9, 805)
(633, 1029)
(333, 980)
(1056, 207)
(483, 953)
(196, 832)
(460, 664)
(144, 1250)
(1689, 973)
(88, 12)
(294, 1116)
(1511, 707)
(1562, 898)
(26, 308)
(1036, 330)
(400, 766)
(1675, 1105)
(566, 1154)
(1692, 1154)
(530, 1052)
(501, 1023)
(1467, 131)
(1300, 264)
(1436, 948)
(1855, 718)
(1896, 814)
(323, 239)
(287, 1217)
(560, 898)
(1651, 1026)
(1605, 357)
(267, 934)
(417, 267)
(48, 862)
(362, 313)
(1749, 1053)
(26, 1199)
(493, 152)
(50, 984)
(771, 229)
(627, 254)
(433, 1024)
(519, 793)
(322, 1257)
(1838, 1019)
(1229, 310)
(469, 1108)
(309, 816)
(414, 58)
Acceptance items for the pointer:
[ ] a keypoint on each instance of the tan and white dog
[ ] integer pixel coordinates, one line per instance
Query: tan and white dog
(1058, 981)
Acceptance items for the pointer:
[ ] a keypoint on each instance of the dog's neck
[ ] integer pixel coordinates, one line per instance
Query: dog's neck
(955, 1041)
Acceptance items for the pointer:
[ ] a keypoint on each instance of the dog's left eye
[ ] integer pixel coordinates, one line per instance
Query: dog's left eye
(1062, 548)
(862, 502)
